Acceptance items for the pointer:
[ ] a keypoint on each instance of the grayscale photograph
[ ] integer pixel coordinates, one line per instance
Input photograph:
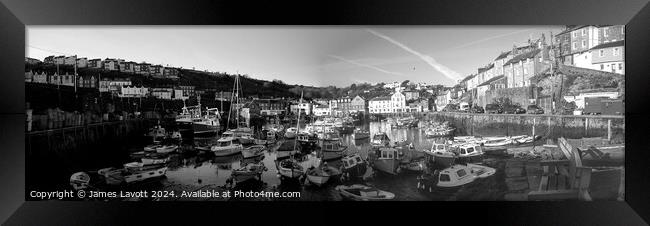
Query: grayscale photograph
(325, 113)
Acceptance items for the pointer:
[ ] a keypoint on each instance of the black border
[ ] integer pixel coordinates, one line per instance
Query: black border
(17, 13)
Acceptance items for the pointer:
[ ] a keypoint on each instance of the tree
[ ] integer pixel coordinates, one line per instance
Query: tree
(404, 83)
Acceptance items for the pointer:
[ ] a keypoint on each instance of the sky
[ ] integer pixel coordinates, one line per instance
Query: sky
(306, 55)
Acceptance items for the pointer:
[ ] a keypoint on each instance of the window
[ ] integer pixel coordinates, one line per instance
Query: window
(575, 45)
(620, 66)
(585, 56)
(584, 31)
(616, 51)
(602, 67)
(605, 31)
(601, 53)
(575, 34)
(525, 71)
(461, 173)
(584, 43)
(444, 177)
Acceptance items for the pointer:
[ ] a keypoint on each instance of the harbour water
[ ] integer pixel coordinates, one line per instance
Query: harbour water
(207, 171)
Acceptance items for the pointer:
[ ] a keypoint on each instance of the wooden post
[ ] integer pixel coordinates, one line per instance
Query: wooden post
(609, 129)
(534, 121)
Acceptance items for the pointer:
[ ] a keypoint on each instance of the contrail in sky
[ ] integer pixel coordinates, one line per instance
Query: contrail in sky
(490, 38)
(451, 74)
(365, 65)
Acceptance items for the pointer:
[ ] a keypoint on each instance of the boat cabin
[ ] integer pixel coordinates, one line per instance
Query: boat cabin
(387, 153)
(454, 176)
(227, 141)
(468, 150)
(332, 145)
(351, 161)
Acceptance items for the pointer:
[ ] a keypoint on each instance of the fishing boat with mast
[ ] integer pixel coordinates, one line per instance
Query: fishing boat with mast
(202, 124)
(287, 166)
(242, 132)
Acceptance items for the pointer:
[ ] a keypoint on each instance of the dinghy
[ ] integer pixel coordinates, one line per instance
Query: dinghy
(363, 193)
(166, 148)
(249, 171)
(289, 168)
(253, 151)
(317, 176)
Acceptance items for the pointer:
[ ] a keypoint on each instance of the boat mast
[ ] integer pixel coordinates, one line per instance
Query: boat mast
(297, 123)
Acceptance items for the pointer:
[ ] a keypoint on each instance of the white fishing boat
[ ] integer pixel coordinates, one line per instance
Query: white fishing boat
(201, 123)
(291, 133)
(459, 175)
(386, 160)
(166, 148)
(249, 171)
(253, 151)
(227, 146)
(332, 149)
(380, 139)
(363, 193)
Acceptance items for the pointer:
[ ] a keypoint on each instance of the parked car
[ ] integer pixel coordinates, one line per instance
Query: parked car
(493, 109)
(534, 109)
(476, 109)
(513, 109)
(450, 108)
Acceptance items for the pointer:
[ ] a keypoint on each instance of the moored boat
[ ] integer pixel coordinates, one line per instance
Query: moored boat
(317, 176)
(361, 134)
(289, 168)
(380, 139)
(291, 133)
(249, 171)
(363, 193)
(166, 148)
(253, 151)
(459, 175)
(387, 160)
(226, 146)
(354, 166)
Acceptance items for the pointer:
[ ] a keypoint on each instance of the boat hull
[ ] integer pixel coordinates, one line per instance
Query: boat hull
(140, 176)
(226, 152)
(390, 166)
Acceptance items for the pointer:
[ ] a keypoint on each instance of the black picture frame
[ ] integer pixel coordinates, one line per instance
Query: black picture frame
(16, 14)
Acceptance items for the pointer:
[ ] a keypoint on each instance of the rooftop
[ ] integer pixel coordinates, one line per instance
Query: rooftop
(523, 56)
(610, 44)
(491, 80)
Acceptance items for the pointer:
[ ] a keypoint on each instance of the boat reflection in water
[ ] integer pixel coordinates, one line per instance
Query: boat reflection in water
(207, 169)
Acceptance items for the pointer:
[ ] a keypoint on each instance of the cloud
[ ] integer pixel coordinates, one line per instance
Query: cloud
(447, 72)
(490, 38)
(366, 65)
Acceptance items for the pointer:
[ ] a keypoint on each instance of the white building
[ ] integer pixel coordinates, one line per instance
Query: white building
(162, 93)
(112, 85)
(379, 105)
(322, 110)
(133, 91)
(304, 107)
(180, 95)
(398, 102)
(580, 99)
